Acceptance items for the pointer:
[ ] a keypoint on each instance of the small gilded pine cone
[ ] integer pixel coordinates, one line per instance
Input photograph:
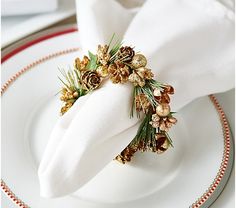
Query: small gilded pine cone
(125, 54)
(145, 73)
(90, 80)
(67, 95)
(136, 79)
(119, 72)
(81, 64)
(163, 96)
(139, 76)
(66, 107)
(169, 89)
(164, 123)
(162, 143)
(142, 103)
(103, 56)
(126, 154)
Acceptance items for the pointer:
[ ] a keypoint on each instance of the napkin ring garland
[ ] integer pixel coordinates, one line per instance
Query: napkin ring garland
(122, 64)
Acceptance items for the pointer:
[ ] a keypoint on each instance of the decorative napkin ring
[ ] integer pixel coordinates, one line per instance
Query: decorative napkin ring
(150, 98)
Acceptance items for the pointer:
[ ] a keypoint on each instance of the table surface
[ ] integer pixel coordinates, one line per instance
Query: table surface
(227, 198)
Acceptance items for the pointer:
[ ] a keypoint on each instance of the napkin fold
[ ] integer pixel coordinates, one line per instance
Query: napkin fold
(189, 44)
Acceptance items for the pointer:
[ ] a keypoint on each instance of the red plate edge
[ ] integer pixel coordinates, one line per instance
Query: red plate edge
(35, 41)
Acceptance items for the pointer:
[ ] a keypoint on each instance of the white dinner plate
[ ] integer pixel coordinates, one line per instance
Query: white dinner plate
(192, 174)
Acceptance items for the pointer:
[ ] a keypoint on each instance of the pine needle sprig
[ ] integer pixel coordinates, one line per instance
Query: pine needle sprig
(113, 48)
(155, 84)
(147, 90)
(169, 139)
(136, 92)
(149, 93)
(140, 132)
(146, 134)
(111, 40)
(70, 80)
(133, 103)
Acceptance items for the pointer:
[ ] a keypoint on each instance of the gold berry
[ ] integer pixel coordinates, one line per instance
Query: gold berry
(138, 61)
(75, 94)
(163, 110)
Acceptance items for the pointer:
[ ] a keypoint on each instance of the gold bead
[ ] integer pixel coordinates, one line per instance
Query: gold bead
(163, 110)
(138, 61)
(75, 94)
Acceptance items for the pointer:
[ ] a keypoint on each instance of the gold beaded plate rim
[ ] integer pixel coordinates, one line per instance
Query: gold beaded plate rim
(219, 182)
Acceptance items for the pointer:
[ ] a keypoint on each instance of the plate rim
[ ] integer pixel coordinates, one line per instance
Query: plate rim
(214, 189)
(33, 39)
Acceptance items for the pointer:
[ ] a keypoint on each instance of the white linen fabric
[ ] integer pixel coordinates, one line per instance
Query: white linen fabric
(189, 44)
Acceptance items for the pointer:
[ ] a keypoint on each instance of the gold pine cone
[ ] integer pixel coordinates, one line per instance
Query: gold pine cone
(119, 73)
(136, 79)
(164, 123)
(81, 64)
(103, 56)
(139, 76)
(67, 94)
(169, 89)
(90, 80)
(125, 54)
(145, 73)
(66, 107)
(142, 103)
(127, 154)
(162, 143)
(163, 96)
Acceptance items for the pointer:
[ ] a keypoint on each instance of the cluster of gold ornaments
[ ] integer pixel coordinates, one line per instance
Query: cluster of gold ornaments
(151, 98)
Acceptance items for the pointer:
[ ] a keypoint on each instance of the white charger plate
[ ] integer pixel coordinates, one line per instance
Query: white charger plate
(192, 174)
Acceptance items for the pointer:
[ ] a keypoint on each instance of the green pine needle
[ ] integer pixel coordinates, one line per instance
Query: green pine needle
(169, 139)
(112, 37)
(68, 87)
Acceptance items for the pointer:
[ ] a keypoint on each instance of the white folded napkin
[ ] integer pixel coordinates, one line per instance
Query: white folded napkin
(189, 44)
